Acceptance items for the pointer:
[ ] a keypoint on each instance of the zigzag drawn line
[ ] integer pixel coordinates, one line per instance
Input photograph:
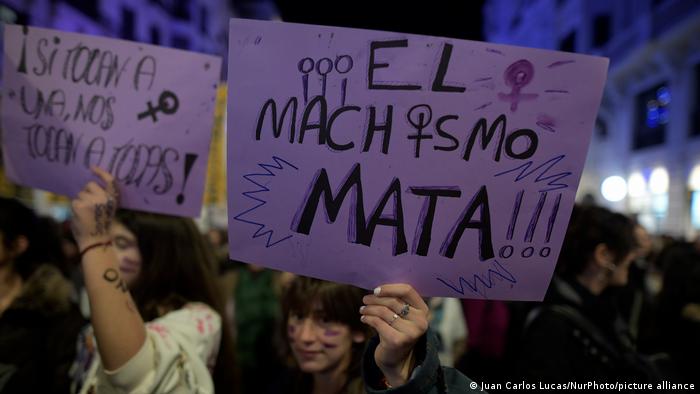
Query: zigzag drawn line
(524, 173)
(260, 202)
(500, 272)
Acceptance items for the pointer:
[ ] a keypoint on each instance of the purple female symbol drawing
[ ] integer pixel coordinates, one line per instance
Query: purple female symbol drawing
(517, 75)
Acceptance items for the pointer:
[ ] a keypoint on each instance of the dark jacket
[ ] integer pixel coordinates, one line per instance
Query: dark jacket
(428, 377)
(577, 336)
(38, 335)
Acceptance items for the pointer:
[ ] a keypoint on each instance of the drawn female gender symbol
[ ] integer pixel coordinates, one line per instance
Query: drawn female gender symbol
(167, 104)
(328, 68)
(305, 66)
(344, 85)
(517, 75)
(417, 118)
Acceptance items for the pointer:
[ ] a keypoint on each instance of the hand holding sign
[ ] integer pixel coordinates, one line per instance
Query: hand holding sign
(93, 211)
(400, 316)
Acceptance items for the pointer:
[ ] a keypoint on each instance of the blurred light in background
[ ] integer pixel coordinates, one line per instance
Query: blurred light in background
(636, 185)
(614, 188)
(658, 181)
(694, 179)
(694, 186)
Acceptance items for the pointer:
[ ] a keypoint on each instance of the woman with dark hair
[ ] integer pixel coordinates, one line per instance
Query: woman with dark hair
(38, 321)
(577, 335)
(325, 336)
(387, 348)
(155, 268)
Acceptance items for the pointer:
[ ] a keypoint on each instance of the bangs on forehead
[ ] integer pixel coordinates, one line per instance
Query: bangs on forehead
(331, 301)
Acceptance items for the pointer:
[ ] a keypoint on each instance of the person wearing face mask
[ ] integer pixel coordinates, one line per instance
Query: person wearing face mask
(156, 313)
(577, 335)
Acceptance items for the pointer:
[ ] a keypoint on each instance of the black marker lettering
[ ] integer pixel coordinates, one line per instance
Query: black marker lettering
(374, 46)
(438, 82)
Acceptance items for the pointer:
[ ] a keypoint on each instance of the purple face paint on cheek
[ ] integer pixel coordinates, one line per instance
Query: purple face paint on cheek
(331, 333)
(291, 329)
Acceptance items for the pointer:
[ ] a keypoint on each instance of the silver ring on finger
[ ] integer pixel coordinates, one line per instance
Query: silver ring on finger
(393, 319)
(404, 311)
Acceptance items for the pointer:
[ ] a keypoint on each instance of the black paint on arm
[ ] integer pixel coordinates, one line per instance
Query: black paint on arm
(112, 276)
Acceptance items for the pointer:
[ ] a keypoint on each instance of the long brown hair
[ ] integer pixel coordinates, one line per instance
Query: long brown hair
(178, 268)
(340, 303)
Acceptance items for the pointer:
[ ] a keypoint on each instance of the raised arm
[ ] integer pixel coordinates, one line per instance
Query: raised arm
(400, 317)
(117, 324)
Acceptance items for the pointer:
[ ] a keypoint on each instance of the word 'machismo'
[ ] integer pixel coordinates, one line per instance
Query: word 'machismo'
(316, 118)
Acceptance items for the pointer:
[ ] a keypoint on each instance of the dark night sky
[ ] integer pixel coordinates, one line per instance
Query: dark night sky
(448, 18)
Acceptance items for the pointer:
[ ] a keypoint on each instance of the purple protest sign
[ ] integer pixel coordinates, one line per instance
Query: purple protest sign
(143, 113)
(369, 157)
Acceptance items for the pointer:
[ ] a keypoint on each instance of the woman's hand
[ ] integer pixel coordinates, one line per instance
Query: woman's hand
(93, 210)
(400, 316)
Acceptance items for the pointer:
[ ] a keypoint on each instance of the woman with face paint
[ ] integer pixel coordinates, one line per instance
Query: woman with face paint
(336, 332)
(149, 268)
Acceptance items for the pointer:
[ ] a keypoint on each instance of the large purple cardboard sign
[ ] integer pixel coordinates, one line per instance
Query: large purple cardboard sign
(141, 112)
(369, 157)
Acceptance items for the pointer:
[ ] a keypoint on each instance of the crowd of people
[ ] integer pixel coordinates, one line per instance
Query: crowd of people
(121, 301)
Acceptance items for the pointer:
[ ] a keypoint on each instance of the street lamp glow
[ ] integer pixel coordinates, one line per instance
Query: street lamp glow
(636, 185)
(694, 179)
(614, 188)
(658, 181)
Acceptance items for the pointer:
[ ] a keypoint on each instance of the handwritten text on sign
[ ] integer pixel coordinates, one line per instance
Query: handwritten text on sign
(369, 157)
(143, 113)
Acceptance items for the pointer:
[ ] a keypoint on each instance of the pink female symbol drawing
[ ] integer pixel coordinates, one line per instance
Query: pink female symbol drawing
(517, 75)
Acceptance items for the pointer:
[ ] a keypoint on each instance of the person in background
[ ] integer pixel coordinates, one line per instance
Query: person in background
(447, 319)
(257, 317)
(39, 323)
(678, 321)
(328, 328)
(147, 268)
(488, 322)
(577, 335)
(635, 300)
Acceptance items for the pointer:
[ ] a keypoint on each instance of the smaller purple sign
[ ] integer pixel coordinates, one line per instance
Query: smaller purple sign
(144, 113)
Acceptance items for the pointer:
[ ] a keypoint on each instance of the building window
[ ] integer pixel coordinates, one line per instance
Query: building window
(203, 20)
(695, 110)
(87, 7)
(127, 31)
(180, 9)
(601, 30)
(568, 44)
(155, 35)
(651, 114)
(180, 42)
